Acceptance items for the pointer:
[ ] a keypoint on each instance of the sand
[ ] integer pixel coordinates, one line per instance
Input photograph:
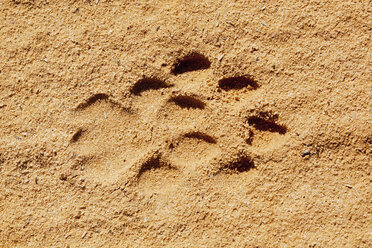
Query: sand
(185, 123)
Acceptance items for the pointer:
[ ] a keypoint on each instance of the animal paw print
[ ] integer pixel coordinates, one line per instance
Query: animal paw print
(186, 124)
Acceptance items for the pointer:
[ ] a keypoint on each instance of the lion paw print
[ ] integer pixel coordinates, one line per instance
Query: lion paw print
(188, 124)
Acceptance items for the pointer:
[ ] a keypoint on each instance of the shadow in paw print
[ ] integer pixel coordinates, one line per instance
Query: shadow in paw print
(98, 98)
(202, 136)
(157, 174)
(242, 165)
(262, 124)
(237, 83)
(239, 165)
(191, 62)
(77, 135)
(187, 102)
(153, 164)
(91, 100)
(266, 133)
(146, 84)
(193, 150)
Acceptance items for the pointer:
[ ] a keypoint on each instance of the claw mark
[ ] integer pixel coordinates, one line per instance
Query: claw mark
(188, 102)
(191, 62)
(266, 125)
(148, 84)
(201, 136)
(240, 82)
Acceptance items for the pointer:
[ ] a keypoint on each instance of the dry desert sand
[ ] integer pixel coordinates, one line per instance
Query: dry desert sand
(185, 123)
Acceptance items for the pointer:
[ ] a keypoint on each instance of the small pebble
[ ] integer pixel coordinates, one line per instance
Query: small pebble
(229, 22)
(221, 57)
(305, 153)
(78, 215)
(349, 186)
(63, 177)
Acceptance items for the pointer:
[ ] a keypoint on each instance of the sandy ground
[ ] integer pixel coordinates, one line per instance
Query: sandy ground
(185, 123)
